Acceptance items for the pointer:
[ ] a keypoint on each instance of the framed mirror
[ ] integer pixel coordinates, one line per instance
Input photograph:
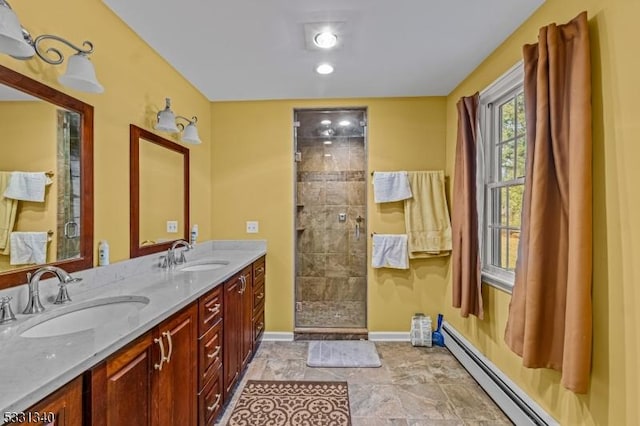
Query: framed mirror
(159, 179)
(46, 179)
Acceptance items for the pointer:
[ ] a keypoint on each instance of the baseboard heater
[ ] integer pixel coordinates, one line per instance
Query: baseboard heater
(516, 404)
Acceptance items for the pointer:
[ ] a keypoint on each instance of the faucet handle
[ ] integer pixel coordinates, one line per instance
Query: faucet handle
(6, 314)
(163, 261)
(182, 258)
(63, 294)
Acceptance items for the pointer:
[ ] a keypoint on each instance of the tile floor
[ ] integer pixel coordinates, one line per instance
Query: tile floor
(414, 386)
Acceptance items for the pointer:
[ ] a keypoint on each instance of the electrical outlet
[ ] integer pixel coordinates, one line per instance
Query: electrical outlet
(172, 226)
(252, 227)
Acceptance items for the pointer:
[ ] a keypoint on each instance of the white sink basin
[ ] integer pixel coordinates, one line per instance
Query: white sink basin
(86, 316)
(204, 265)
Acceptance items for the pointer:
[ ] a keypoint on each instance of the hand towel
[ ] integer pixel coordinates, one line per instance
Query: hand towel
(426, 215)
(28, 247)
(390, 186)
(8, 210)
(27, 186)
(390, 251)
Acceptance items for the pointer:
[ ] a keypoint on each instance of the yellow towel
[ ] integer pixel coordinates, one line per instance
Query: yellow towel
(8, 210)
(426, 216)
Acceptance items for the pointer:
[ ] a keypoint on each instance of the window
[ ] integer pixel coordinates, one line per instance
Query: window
(503, 130)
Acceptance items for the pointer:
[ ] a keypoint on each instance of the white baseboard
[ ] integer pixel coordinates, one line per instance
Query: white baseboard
(389, 336)
(517, 405)
(277, 336)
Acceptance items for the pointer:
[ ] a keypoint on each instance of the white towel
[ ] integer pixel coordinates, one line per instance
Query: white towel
(27, 186)
(28, 247)
(390, 251)
(390, 186)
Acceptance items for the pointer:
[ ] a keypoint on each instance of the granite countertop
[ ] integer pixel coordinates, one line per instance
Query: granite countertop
(32, 368)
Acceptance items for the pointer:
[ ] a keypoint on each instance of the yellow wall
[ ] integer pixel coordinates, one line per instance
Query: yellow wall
(136, 81)
(29, 141)
(613, 398)
(253, 179)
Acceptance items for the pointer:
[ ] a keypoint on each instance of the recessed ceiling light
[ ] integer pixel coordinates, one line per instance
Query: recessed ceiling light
(327, 155)
(325, 39)
(344, 123)
(327, 142)
(325, 122)
(324, 69)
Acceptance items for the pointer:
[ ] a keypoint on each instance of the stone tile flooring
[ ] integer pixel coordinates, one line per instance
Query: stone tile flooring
(414, 386)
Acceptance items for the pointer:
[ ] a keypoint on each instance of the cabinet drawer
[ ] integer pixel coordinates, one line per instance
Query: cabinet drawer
(210, 307)
(258, 326)
(259, 271)
(210, 399)
(258, 298)
(209, 354)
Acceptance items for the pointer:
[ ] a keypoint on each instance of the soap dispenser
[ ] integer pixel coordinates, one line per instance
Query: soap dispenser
(103, 253)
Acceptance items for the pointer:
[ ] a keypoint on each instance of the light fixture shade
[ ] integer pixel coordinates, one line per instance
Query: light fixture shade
(81, 75)
(12, 41)
(190, 134)
(167, 119)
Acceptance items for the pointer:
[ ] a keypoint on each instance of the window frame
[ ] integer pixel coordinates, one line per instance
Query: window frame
(504, 88)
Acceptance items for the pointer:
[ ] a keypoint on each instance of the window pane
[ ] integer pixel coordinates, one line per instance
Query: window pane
(521, 152)
(520, 118)
(507, 120)
(515, 205)
(499, 248)
(499, 210)
(507, 163)
(514, 238)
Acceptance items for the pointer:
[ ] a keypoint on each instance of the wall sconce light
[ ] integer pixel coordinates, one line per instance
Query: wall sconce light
(167, 123)
(17, 42)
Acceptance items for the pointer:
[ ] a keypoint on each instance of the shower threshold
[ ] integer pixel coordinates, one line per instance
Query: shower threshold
(330, 333)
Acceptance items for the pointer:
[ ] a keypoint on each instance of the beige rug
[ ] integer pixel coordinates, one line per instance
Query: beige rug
(285, 403)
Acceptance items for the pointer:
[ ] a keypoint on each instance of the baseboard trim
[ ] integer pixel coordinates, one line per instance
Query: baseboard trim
(517, 405)
(277, 336)
(389, 336)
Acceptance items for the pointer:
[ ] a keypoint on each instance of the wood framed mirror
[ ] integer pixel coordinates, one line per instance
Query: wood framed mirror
(159, 188)
(44, 131)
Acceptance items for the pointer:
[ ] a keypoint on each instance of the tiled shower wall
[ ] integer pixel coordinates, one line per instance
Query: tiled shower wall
(331, 282)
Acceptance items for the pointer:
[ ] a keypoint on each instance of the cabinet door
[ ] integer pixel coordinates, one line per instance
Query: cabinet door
(232, 322)
(121, 387)
(62, 408)
(175, 388)
(247, 318)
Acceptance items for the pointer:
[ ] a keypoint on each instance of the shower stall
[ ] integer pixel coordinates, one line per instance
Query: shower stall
(330, 223)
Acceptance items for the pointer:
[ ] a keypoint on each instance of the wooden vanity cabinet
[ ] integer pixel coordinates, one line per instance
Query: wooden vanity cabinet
(61, 408)
(210, 350)
(238, 339)
(259, 294)
(138, 385)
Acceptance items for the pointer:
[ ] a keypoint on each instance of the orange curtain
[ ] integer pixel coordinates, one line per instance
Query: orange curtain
(549, 322)
(465, 260)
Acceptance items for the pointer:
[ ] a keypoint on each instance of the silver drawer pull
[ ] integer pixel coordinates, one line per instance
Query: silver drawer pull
(215, 353)
(260, 269)
(260, 296)
(167, 334)
(216, 404)
(260, 325)
(159, 366)
(216, 309)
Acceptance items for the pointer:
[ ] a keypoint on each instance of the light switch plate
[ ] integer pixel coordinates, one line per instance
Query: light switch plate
(172, 226)
(252, 227)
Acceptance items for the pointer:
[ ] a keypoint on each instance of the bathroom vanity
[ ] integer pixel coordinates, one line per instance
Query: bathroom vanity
(173, 360)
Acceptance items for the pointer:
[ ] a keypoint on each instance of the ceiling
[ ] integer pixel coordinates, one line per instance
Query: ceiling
(256, 49)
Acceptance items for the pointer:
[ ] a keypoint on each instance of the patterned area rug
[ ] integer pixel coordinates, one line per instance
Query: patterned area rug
(285, 403)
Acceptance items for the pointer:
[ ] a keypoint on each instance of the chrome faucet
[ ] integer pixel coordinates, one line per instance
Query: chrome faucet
(170, 261)
(34, 305)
